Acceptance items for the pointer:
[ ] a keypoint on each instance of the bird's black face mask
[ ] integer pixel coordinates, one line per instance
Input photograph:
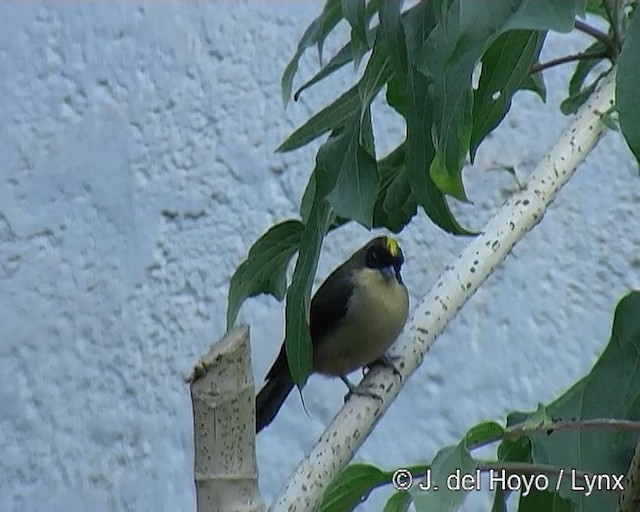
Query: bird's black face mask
(386, 256)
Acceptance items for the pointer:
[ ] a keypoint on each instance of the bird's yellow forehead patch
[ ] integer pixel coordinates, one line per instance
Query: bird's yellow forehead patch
(392, 246)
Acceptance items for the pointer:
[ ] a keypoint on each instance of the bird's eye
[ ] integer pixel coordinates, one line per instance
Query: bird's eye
(372, 259)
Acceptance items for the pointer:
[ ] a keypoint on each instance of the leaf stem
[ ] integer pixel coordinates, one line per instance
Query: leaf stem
(604, 423)
(519, 468)
(568, 58)
(611, 44)
(550, 427)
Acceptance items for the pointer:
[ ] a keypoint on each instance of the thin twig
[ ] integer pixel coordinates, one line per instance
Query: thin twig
(612, 45)
(602, 423)
(568, 58)
(597, 423)
(520, 468)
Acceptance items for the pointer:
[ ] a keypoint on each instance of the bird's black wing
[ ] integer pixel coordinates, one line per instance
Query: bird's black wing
(329, 304)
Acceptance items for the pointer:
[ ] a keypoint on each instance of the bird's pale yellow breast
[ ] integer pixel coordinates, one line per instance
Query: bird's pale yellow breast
(376, 314)
(374, 294)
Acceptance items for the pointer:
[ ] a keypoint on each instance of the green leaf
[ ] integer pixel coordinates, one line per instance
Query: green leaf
(500, 500)
(584, 67)
(516, 449)
(539, 419)
(446, 462)
(376, 75)
(354, 484)
(335, 115)
(571, 104)
(297, 336)
(483, 432)
(395, 205)
(315, 34)
(351, 487)
(394, 37)
(308, 197)
(627, 80)
(265, 269)
(535, 84)
(356, 99)
(610, 390)
(398, 205)
(448, 59)
(354, 12)
(308, 200)
(505, 66)
(397, 95)
(358, 50)
(399, 501)
(510, 450)
(548, 501)
(420, 153)
(332, 15)
(346, 54)
(451, 460)
(329, 118)
(350, 169)
(556, 15)
(578, 96)
(595, 7)
(340, 59)
(447, 163)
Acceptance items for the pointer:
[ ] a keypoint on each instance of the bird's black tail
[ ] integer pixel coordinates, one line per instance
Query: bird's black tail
(271, 397)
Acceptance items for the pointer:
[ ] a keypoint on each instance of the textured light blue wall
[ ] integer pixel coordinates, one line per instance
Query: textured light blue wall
(137, 167)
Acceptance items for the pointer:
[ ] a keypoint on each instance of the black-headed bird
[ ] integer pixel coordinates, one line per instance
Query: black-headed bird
(355, 316)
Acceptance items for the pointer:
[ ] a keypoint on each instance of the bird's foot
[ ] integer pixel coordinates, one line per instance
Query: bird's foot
(388, 362)
(359, 391)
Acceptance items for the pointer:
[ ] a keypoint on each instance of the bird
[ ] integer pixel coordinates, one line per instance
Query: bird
(354, 317)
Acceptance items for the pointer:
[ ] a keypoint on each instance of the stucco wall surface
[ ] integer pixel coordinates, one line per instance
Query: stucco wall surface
(136, 169)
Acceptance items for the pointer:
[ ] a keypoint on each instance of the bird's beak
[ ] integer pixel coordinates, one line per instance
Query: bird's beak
(387, 272)
(396, 270)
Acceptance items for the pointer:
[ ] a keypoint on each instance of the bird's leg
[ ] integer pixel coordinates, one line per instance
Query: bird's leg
(355, 390)
(352, 387)
(388, 362)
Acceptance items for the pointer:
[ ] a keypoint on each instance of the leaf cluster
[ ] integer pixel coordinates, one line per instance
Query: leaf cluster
(425, 59)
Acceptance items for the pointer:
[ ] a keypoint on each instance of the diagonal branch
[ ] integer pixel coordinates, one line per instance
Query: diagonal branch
(520, 213)
(568, 58)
